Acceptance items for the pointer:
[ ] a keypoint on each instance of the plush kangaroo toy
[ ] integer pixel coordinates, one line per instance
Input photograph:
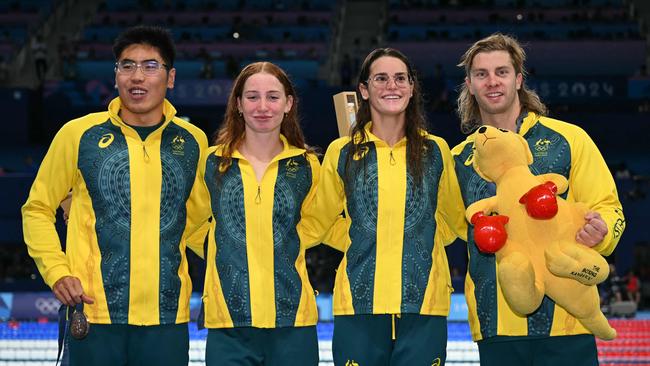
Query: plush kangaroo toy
(533, 234)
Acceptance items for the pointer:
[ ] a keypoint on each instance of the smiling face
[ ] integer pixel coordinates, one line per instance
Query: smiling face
(387, 99)
(494, 83)
(142, 96)
(263, 103)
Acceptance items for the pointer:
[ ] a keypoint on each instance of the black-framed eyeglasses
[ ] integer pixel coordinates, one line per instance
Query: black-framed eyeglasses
(381, 80)
(148, 68)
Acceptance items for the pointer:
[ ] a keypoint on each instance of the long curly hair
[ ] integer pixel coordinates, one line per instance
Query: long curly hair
(233, 129)
(415, 120)
(468, 109)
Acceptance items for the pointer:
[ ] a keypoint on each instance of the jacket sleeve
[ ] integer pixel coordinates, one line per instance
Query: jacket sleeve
(591, 182)
(451, 210)
(321, 221)
(306, 227)
(53, 181)
(455, 152)
(198, 205)
(338, 236)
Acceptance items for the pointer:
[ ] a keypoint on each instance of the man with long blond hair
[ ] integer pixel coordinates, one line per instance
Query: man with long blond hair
(495, 93)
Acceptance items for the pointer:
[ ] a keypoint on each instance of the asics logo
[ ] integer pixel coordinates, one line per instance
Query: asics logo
(105, 140)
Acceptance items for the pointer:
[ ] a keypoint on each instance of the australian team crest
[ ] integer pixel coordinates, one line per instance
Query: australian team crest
(541, 147)
(178, 145)
(292, 167)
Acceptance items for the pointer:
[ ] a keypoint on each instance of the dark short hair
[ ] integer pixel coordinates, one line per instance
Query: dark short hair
(156, 37)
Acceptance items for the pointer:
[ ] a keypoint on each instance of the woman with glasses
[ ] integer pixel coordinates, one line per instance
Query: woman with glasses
(398, 190)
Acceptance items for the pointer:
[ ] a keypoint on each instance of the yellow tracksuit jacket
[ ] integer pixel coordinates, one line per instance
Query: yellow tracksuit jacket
(395, 260)
(557, 147)
(256, 273)
(134, 203)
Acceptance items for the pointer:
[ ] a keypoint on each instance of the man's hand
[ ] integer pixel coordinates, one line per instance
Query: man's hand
(594, 230)
(69, 291)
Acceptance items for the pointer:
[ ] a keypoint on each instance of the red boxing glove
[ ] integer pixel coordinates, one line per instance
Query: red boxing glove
(489, 232)
(540, 201)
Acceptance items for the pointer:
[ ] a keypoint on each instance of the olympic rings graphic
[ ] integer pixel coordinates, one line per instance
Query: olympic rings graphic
(47, 305)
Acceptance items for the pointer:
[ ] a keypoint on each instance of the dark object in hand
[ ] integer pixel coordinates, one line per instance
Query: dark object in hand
(79, 325)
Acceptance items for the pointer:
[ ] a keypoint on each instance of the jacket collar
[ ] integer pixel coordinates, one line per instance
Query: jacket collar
(373, 138)
(169, 112)
(288, 150)
(528, 122)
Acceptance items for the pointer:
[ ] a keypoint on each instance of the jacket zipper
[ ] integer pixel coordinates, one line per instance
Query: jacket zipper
(144, 150)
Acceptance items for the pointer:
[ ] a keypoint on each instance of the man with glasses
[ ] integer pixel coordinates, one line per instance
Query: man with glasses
(135, 201)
